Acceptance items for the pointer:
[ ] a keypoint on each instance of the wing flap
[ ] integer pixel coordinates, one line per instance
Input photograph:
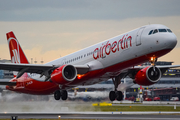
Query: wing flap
(82, 69)
(32, 68)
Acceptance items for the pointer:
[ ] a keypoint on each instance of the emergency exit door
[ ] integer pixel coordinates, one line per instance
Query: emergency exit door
(138, 36)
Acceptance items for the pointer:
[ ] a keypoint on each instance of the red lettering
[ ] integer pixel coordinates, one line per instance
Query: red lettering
(102, 50)
(129, 39)
(120, 42)
(113, 46)
(124, 42)
(108, 45)
(96, 54)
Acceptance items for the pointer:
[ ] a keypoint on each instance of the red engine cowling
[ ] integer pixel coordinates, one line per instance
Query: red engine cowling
(64, 74)
(148, 76)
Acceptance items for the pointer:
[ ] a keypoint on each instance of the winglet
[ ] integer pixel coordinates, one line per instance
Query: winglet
(16, 52)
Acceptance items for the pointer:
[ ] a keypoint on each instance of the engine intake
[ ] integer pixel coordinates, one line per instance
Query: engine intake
(148, 76)
(64, 74)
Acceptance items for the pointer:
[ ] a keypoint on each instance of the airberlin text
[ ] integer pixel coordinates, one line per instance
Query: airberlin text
(108, 48)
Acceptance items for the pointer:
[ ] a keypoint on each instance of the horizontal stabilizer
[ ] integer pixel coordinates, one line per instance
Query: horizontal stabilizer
(8, 83)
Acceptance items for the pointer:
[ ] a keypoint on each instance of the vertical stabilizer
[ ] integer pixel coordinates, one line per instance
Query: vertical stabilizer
(16, 52)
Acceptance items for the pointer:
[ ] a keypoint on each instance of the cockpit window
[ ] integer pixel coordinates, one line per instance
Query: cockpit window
(169, 30)
(155, 31)
(162, 30)
(150, 32)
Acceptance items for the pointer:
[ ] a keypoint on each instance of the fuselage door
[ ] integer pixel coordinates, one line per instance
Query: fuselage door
(138, 36)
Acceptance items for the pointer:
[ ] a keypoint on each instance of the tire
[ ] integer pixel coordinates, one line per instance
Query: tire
(119, 95)
(57, 95)
(64, 95)
(112, 95)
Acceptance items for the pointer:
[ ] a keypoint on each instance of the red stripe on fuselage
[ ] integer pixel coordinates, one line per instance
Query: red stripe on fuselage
(88, 77)
(25, 84)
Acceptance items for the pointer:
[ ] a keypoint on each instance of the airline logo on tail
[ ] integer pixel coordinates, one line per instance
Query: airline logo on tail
(16, 52)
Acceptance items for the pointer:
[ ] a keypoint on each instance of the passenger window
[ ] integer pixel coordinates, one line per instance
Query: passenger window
(150, 32)
(162, 30)
(169, 30)
(155, 31)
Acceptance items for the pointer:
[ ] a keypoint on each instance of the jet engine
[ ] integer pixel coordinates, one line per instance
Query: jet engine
(148, 76)
(64, 74)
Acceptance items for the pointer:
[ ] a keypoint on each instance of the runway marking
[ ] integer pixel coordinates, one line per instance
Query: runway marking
(97, 115)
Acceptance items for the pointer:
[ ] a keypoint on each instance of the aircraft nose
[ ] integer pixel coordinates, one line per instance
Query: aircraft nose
(172, 41)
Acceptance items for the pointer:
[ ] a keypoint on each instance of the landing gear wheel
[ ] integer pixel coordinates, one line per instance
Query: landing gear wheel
(112, 95)
(119, 95)
(64, 95)
(57, 95)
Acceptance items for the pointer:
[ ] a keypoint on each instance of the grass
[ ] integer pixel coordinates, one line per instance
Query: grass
(136, 108)
(126, 108)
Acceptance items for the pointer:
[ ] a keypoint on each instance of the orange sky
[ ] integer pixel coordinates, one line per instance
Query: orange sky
(53, 39)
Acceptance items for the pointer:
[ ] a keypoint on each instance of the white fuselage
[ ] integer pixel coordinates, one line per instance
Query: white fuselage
(119, 49)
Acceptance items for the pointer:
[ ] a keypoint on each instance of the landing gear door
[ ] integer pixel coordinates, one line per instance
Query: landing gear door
(138, 36)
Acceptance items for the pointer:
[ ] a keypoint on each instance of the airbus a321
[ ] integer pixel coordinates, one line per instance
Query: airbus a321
(114, 59)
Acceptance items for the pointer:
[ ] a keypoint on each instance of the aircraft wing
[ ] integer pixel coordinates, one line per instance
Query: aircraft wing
(7, 83)
(39, 69)
(163, 68)
(133, 70)
(160, 67)
(31, 68)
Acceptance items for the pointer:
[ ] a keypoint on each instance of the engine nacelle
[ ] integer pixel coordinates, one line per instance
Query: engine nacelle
(148, 76)
(64, 74)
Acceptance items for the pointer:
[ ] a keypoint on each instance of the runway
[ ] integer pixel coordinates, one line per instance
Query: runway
(93, 115)
(14, 106)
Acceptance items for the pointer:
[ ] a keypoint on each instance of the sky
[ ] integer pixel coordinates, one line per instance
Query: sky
(49, 29)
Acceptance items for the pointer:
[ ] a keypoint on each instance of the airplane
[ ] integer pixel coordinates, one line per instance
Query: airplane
(114, 59)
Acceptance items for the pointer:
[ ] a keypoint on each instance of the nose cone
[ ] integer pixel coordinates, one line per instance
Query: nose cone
(172, 41)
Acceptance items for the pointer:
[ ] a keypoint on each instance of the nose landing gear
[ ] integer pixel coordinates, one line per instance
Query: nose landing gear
(153, 61)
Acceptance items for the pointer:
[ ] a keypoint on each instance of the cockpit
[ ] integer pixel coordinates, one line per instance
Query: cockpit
(159, 30)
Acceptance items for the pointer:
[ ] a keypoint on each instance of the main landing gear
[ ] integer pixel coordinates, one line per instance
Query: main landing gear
(118, 95)
(60, 94)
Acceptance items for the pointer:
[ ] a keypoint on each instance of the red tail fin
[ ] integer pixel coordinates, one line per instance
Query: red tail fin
(16, 52)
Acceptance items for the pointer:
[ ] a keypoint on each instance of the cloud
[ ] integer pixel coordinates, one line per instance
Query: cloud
(56, 10)
(35, 54)
(50, 39)
(4, 52)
